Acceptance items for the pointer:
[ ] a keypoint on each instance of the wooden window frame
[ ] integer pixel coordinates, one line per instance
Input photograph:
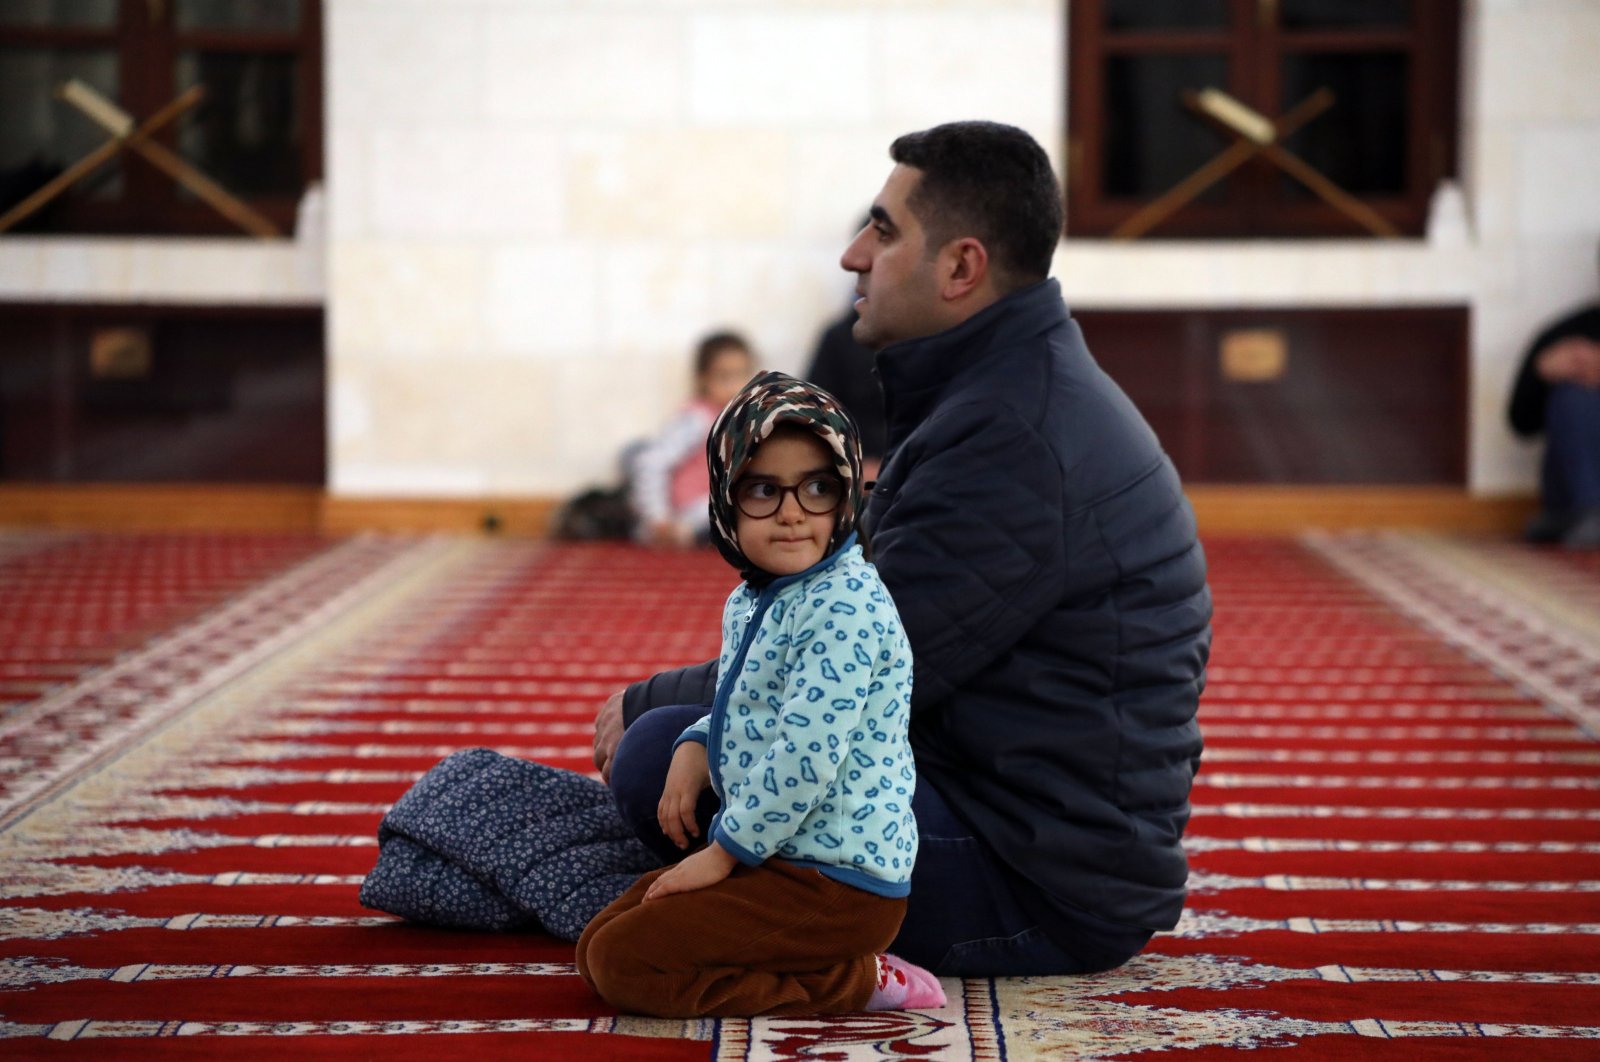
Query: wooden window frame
(147, 43)
(1254, 46)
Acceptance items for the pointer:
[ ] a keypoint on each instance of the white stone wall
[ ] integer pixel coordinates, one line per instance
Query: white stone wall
(1532, 172)
(534, 207)
(214, 271)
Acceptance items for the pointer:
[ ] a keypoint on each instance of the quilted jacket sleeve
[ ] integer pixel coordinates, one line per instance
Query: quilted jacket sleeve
(696, 684)
(968, 539)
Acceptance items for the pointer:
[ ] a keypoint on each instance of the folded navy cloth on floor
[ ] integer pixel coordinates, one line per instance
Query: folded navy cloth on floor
(421, 885)
(485, 841)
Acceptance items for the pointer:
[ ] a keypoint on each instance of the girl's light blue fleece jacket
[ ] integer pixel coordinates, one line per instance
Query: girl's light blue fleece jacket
(806, 739)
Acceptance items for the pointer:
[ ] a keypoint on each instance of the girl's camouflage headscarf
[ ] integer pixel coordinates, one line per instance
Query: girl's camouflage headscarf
(770, 399)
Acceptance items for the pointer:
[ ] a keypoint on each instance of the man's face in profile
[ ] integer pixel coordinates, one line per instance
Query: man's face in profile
(898, 294)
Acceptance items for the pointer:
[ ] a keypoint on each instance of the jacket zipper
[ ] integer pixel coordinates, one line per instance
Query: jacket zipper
(719, 704)
(753, 616)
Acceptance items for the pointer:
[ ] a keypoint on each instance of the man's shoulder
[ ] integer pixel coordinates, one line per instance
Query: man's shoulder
(1009, 382)
(1586, 319)
(1050, 382)
(1045, 398)
(1583, 321)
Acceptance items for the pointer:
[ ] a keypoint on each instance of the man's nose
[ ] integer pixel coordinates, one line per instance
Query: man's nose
(853, 260)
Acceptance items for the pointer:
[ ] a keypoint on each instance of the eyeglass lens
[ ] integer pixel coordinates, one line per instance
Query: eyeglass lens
(817, 495)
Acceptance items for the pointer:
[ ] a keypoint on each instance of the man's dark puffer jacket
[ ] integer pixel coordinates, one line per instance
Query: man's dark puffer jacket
(1045, 563)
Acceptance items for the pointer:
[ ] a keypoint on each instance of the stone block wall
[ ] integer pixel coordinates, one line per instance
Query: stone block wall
(534, 207)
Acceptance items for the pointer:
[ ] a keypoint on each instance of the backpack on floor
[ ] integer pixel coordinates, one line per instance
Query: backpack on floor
(597, 514)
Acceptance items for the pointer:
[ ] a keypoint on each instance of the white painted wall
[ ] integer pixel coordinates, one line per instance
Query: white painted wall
(534, 208)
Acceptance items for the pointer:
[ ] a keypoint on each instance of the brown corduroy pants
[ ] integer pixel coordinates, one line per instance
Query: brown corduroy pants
(773, 939)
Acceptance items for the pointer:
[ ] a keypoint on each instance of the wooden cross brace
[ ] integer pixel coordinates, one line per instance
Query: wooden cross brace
(1255, 134)
(128, 136)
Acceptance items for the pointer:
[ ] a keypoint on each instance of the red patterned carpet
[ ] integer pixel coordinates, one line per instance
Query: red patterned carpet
(1396, 840)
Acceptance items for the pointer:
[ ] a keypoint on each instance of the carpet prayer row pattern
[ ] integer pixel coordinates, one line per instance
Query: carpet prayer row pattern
(1395, 846)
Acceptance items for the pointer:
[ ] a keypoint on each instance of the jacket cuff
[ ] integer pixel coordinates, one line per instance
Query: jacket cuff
(689, 735)
(734, 848)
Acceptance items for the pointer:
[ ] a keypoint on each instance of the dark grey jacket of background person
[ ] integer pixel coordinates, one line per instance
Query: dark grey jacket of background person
(1528, 396)
(843, 367)
(1046, 566)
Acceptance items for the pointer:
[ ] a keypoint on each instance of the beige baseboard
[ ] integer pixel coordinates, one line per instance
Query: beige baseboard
(1220, 510)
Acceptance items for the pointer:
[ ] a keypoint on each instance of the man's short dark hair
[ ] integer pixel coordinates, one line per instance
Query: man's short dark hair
(991, 181)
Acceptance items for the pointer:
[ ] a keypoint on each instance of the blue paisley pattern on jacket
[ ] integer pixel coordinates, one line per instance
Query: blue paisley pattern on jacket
(806, 739)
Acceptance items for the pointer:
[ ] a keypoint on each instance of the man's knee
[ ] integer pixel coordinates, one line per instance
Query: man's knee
(639, 773)
(643, 755)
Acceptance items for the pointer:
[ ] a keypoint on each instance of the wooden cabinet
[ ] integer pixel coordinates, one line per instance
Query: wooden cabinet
(161, 395)
(1297, 396)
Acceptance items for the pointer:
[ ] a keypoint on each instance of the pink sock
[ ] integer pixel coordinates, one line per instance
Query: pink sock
(904, 986)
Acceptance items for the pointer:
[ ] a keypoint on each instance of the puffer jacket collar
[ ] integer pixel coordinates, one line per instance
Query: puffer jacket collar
(916, 372)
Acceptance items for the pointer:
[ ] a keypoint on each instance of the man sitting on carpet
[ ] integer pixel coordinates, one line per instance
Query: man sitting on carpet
(1557, 393)
(1045, 564)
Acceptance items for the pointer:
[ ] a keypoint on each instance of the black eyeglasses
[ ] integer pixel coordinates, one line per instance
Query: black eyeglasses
(759, 498)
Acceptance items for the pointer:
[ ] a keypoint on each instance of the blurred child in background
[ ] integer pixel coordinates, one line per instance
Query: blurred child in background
(668, 487)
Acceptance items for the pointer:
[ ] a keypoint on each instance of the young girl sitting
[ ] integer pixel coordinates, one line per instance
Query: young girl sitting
(802, 885)
(667, 475)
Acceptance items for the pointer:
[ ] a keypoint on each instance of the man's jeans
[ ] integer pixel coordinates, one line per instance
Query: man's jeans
(1571, 479)
(963, 920)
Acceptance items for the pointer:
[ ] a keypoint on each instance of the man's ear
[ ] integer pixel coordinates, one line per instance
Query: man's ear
(966, 267)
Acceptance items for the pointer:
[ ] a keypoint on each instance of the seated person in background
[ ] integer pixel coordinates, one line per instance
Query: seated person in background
(843, 367)
(1558, 393)
(667, 484)
(788, 907)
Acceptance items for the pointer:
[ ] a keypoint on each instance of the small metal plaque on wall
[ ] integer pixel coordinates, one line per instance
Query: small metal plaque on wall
(119, 354)
(1254, 355)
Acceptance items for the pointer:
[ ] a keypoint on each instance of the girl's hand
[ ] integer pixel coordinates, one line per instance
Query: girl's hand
(687, 778)
(706, 867)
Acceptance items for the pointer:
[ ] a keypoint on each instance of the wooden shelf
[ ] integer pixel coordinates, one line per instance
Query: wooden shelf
(510, 516)
(160, 507)
(1289, 509)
